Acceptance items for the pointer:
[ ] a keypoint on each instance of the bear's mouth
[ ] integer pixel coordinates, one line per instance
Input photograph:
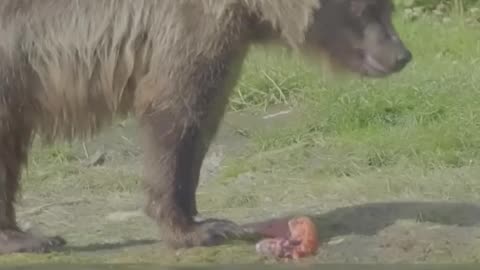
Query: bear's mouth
(367, 65)
(361, 62)
(374, 67)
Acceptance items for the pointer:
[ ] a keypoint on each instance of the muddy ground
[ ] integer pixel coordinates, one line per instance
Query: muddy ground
(91, 195)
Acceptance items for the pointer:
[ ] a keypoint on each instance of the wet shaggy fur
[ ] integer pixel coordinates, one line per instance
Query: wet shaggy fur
(69, 67)
(85, 60)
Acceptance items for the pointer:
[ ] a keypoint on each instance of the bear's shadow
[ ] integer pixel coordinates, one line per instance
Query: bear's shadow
(369, 219)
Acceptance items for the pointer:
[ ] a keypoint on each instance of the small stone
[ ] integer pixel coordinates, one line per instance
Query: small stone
(334, 242)
(97, 159)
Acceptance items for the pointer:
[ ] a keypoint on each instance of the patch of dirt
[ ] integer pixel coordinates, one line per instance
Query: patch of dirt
(113, 223)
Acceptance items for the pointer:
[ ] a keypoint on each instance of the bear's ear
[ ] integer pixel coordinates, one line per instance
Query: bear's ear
(358, 7)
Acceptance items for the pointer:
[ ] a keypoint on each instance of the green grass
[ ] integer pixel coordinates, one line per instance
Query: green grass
(408, 136)
(427, 115)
